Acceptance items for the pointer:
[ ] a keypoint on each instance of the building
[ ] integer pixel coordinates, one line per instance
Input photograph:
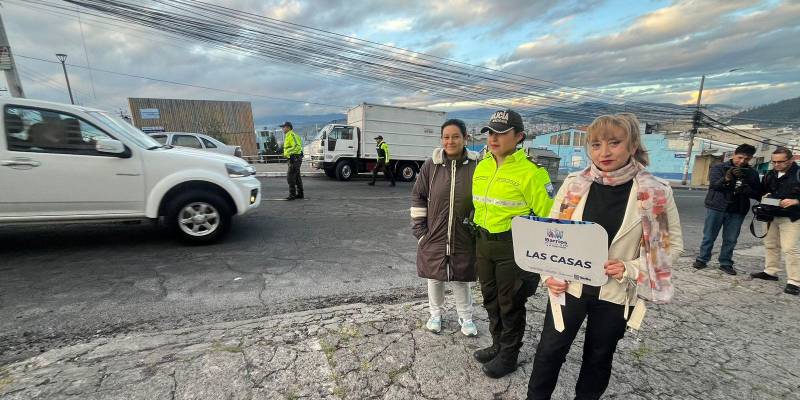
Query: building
(667, 152)
(229, 121)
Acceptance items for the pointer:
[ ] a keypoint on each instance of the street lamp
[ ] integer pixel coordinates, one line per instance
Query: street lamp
(696, 125)
(63, 58)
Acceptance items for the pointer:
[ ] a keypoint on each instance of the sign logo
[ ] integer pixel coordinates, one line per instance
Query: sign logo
(500, 116)
(555, 238)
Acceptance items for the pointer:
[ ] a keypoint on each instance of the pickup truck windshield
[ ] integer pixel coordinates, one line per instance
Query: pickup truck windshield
(119, 127)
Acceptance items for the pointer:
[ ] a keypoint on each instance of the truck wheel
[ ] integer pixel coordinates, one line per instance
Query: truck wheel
(344, 170)
(407, 172)
(198, 217)
(331, 172)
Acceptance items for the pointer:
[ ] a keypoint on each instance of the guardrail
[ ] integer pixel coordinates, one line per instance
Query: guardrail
(266, 159)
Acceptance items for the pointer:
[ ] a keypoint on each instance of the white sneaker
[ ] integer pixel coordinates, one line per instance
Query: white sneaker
(434, 324)
(468, 327)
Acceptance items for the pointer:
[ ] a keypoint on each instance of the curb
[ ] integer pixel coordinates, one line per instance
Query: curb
(283, 174)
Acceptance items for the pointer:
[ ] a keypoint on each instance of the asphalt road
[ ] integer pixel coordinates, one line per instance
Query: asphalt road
(346, 242)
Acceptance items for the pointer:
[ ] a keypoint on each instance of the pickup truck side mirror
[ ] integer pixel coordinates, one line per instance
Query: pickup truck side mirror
(110, 146)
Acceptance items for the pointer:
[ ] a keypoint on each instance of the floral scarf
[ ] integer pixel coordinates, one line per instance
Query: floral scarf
(654, 255)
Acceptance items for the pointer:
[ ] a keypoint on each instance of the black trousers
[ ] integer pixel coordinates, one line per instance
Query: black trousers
(385, 168)
(293, 175)
(604, 328)
(505, 288)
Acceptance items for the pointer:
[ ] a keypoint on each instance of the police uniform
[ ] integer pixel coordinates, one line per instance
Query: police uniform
(293, 150)
(517, 187)
(382, 161)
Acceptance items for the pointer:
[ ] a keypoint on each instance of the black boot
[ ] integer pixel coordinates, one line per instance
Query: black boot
(485, 355)
(299, 195)
(501, 365)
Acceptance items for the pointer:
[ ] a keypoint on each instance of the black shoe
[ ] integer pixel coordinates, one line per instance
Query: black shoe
(699, 264)
(792, 289)
(500, 366)
(393, 184)
(763, 275)
(371, 183)
(728, 269)
(485, 355)
(291, 197)
(299, 196)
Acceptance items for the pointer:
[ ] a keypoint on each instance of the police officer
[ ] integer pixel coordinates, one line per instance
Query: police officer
(382, 163)
(506, 184)
(293, 150)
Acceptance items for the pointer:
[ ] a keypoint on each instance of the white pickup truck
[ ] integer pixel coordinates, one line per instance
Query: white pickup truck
(61, 163)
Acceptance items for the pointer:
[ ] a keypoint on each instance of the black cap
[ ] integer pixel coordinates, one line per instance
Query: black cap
(378, 137)
(503, 121)
(287, 123)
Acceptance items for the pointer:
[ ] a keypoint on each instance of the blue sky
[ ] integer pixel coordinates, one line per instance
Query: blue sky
(642, 50)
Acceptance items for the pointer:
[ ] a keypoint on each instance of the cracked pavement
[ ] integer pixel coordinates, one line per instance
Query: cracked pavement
(723, 338)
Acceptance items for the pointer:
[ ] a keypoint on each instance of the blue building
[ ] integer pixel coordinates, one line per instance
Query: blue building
(667, 152)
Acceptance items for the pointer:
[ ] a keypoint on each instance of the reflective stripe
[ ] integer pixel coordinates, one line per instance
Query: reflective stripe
(498, 202)
(419, 212)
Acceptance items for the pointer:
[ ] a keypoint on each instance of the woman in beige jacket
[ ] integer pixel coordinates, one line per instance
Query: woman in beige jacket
(639, 214)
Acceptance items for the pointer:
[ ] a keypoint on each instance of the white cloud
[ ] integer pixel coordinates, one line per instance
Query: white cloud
(396, 25)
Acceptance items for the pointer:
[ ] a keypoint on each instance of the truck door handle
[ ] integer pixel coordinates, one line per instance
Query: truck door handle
(349, 147)
(20, 162)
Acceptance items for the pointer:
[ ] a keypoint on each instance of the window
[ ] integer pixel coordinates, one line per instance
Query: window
(579, 139)
(347, 133)
(160, 138)
(208, 143)
(336, 133)
(46, 131)
(186, 141)
(554, 139)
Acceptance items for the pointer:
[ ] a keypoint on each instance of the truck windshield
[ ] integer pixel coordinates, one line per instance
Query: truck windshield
(122, 128)
(322, 132)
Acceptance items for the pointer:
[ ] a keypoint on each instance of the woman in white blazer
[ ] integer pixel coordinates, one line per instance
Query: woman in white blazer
(639, 214)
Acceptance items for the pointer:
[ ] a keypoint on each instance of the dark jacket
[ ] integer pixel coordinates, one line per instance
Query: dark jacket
(785, 187)
(725, 196)
(440, 201)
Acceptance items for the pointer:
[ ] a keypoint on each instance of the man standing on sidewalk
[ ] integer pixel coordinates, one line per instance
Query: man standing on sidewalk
(783, 182)
(293, 150)
(733, 184)
(382, 163)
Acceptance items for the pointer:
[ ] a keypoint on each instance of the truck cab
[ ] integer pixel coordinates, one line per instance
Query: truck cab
(333, 143)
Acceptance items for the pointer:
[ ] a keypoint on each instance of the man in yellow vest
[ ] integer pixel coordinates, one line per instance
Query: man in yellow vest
(382, 161)
(506, 184)
(293, 150)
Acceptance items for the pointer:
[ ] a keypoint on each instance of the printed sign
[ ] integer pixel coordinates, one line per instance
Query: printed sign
(567, 250)
(680, 154)
(150, 113)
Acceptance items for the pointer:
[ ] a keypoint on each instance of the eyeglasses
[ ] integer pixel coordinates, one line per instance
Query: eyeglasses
(780, 161)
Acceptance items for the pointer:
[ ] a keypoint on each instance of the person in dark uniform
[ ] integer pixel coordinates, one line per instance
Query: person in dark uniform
(382, 163)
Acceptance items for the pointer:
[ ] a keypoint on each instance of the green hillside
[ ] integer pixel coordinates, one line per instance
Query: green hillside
(782, 113)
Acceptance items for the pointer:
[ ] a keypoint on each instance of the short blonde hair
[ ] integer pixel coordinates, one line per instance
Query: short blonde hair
(627, 123)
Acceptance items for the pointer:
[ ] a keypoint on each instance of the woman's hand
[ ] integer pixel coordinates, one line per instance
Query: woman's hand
(556, 286)
(789, 202)
(614, 269)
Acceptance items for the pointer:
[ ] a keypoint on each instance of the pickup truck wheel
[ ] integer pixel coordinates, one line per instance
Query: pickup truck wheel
(198, 217)
(407, 172)
(344, 170)
(331, 172)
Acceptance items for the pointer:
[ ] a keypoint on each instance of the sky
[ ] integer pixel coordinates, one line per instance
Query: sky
(645, 50)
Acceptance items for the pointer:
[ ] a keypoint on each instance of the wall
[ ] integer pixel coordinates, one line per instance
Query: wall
(230, 121)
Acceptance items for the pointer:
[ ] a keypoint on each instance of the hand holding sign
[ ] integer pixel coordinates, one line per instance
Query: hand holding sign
(567, 250)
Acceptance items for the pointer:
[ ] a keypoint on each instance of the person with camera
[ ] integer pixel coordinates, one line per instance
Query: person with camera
(732, 185)
(783, 232)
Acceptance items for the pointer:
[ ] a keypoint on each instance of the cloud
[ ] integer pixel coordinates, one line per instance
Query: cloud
(396, 25)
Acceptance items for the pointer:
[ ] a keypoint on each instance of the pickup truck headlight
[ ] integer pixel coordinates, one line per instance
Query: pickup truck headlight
(239, 170)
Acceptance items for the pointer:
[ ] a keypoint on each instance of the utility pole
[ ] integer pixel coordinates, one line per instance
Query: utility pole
(63, 59)
(7, 64)
(695, 126)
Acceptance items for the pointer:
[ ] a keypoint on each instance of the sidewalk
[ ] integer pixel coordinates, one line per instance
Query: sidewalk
(279, 169)
(723, 338)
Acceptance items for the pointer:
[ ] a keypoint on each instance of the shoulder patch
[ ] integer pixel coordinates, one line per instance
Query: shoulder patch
(551, 191)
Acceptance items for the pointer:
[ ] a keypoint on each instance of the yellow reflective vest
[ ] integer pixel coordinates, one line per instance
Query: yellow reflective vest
(292, 144)
(518, 187)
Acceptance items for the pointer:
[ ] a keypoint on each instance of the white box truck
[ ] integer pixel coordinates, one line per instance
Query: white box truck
(343, 150)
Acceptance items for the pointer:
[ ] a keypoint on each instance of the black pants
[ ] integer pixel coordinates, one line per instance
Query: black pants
(505, 288)
(293, 176)
(382, 166)
(604, 328)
